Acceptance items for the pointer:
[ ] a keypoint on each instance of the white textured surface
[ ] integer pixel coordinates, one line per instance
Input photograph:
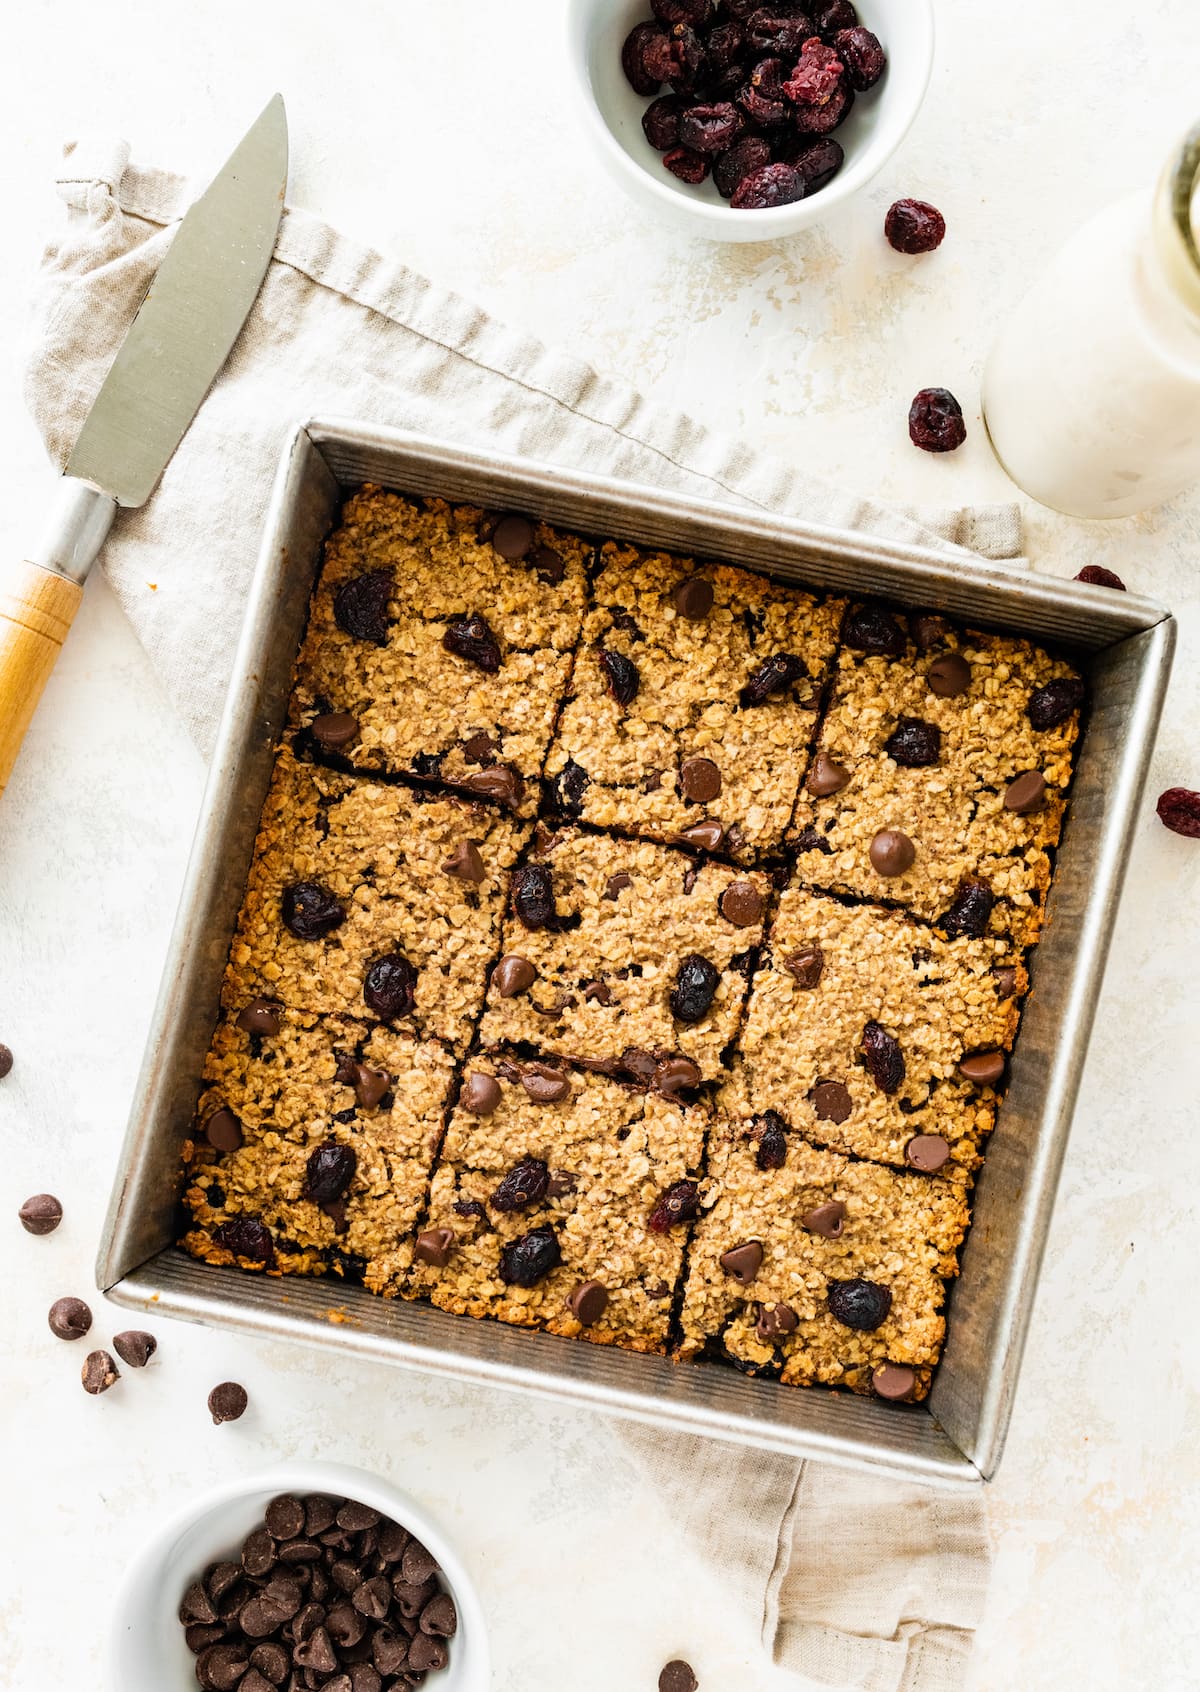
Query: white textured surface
(436, 128)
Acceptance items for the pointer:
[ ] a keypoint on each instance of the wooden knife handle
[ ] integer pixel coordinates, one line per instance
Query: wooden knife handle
(37, 608)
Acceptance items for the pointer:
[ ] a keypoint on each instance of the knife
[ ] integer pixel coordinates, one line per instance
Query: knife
(183, 332)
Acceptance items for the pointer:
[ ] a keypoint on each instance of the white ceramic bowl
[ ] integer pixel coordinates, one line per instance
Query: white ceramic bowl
(148, 1652)
(612, 116)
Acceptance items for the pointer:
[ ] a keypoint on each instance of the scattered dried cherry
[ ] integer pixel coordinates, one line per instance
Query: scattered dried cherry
(914, 226)
(859, 1304)
(711, 129)
(564, 792)
(748, 154)
(360, 606)
(471, 638)
(935, 421)
(1098, 576)
(817, 77)
(633, 58)
(330, 1171)
(680, 1203)
(246, 1237)
(771, 185)
(695, 988)
(1050, 706)
(883, 1057)
(863, 56)
(527, 1260)
(1179, 810)
(914, 743)
(687, 165)
(660, 122)
(970, 911)
(874, 630)
(778, 671)
(533, 897)
(622, 676)
(772, 1140)
(310, 910)
(390, 986)
(524, 1185)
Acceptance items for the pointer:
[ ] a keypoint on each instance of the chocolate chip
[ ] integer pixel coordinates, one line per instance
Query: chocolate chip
(6, 1061)
(284, 1517)
(561, 1183)
(891, 852)
(480, 1093)
(1051, 705)
(426, 1653)
(743, 1262)
(389, 1651)
(928, 630)
(675, 1075)
(198, 1638)
(317, 1652)
(587, 1303)
(418, 1564)
(693, 598)
(1006, 981)
(1026, 793)
(652, 780)
(825, 1219)
(344, 1625)
(70, 1319)
(370, 1085)
(513, 536)
(805, 967)
(439, 1617)
(330, 1170)
(227, 1402)
(255, 1682)
(862, 1305)
(514, 974)
(258, 1553)
(310, 911)
(699, 780)
(134, 1346)
(464, 862)
(616, 885)
(641, 1065)
(502, 783)
(196, 1605)
(707, 834)
(262, 1017)
(271, 1661)
(221, 1667)
(774, 1321)
(677, 1676)
(894, 1380)
(549, 569)
(831, 1101)
(479, 748)
(390, 987)
(40, 1214)
(435, 1247)
(544, 1084)
(222, 1577)
(826, 776)
(657, 1290)
(948, 676)
(927, 1152)
(741, 904)
(333, 730)
(373, 1598)
(99, 1372)
(223, 1131)
(983, 1068)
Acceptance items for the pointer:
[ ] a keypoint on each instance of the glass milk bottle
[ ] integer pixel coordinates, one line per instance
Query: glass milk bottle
(1092, 390)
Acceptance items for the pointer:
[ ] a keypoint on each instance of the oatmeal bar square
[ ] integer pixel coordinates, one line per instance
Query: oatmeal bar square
(940, 776)
(440, 642)
(819, 1269)
(313, 1145)
(859, 1023)
(561, 1201)
(624, 953)
(372, 900)
(693, 701)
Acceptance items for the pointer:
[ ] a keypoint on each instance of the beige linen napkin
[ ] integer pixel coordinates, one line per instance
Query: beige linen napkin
(861, 1584)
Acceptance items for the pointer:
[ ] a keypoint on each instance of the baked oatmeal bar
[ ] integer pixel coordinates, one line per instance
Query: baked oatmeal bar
(624, 953)
(313, 1145)
(372, 900)
(694, 701)
(814, 1267)
(941, 771)
(871, 1033)
(561, 1201)
(439, 643)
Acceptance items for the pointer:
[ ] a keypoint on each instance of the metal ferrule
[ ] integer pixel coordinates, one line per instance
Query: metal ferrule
(76, 529)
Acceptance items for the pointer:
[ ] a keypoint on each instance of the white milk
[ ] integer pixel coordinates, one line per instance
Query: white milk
(1092, 391)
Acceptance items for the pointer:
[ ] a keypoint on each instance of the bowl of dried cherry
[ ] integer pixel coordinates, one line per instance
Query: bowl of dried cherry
(308, 1575)
(746, 122)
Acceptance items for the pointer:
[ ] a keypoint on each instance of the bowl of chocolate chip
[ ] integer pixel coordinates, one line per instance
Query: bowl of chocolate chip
(310, 1577)
(742, 121)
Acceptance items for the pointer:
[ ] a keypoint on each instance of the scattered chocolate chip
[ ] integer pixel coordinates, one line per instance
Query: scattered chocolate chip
(223, 1131)
(699, 780)
(695, 988)
(501, 782)
(70, 1319)
(246, 1236)
(891, 852)
(471, 638)
(893, 1380)
(883, 1057)
(1051, 705)
(544, 1084)
(371, 1086)
(330, 1170)
(621, 675)
(874, 630)
(774, 1322)
(439, 1617)
(513, 536)
(479, 748)
(983, 1068)
(390, 987)
(825, 1219)
(969, 912)
(677, 1676)
(514, 974)
(480, 1093)
(826, 776)
(772, 676)
(598, 993)
(258, 1553)
(706, 835)
(261, 1016)
(680, 1203)
(227, 1402)
(1098, 576)
(742, 1262)
(616, 885)
(1006, 981)
(222, 1667)
(464, 862)
(772, 1140)
(561, 1183)
(859, 1304)
(360, 606)
(311, 911)
(285, 1517)
(6, 1061)
(831, 1100)
(548, 567)
(805, 967)
(693, 598)
(333, 730)
(435, 1246)
(1026, 793)
(40, 1214)
(426, 1654)
(741, 904)
(99, 1372)
(530, 1258)
(914, 744)
(927, 1152)
(587, 1303)
(674, 1075)
(948, 676)
(657, 1290)
(134, 1346)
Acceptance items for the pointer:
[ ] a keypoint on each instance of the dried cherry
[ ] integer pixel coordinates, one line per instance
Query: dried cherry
(246, 1237)
(782, 668)
(390, 986)
(914, 226)
(773, 34)
(329, 1172)
(883, 1057)
(564, 792)
(914, 743)
(1050, 706)
(524, 1185)
(471, 638)
(1179, 810)
(533, 897)
(311, 911)
(660, 122)
(873, 629)
(935, 421)
(817, 77)
(711, 129)
(680, 1203)
(1098, 576)
(622, 676)
(687, 165)
(859, 1304)
(970, 911)
(695, 988)
(863, 56)
(772, 1140)
(748, 154)
(360, 606)
(527, 1260)
(817, 161)
(634, 62)
(772, 185)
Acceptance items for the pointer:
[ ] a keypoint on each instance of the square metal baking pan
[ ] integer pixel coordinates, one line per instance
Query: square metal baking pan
(1125, 644)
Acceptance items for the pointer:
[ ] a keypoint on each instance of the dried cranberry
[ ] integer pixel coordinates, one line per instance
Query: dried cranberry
(680, 1203)
(771, 34)
(1098, 576)
(247, 1237)
(746, 155)
(818, 76)
(724, 44)
(771, 185)
(524, 1184)
(660, 122)
(527, 1260)
(686, 165)
(633, 58)
(863, 56)
(1051, 705)
(564, 792)
(818, 161)
(622, 676)
(874, 630)
(390, 987)
(935, 421)
(773, 674)
(673, 12)
(914, 744)
(914, 226)
(533, 897)
(360, 606)
(839, 14)
(695, 988)
(772, 1140)
(883, 1057)
(330, 1171)
(471, 638)
(310, 910)
(859, 1304)
(711, 129)
(819, 120)
(1179, 809)
(970, 911)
